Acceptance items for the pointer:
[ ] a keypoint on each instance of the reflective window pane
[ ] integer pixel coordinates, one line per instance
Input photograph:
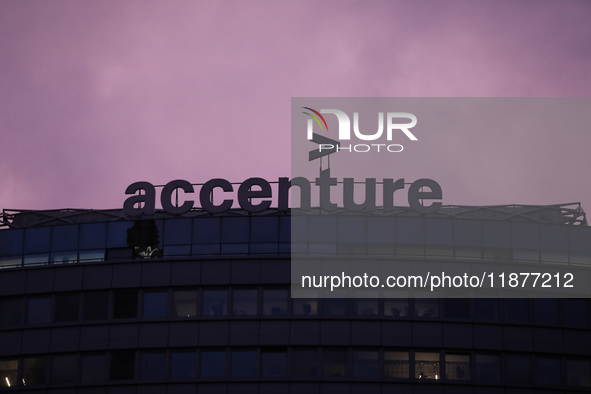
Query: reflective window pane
(34, 370)
(39, 310)
(64, 368)
(152, 365)
(93, 235)
(578, 373)
(396, 307)
(64, 238)
(365, 364)
(206, 231)
(548, 371)
(525, 235)
(575, 312)
(125, 304)
(94, 367)
(264, 229)
(410, 231)
(518, 368)
(516, 309)
(213, 364)
(155, 303)
(366, 307)
(37, 240)
(235, 230)
(67, 307)
(334, 363)
(123, 365)
(274, 364)
(185, 303)
(457, 366)
(396, 365)
(117, 234)
(215, 302)
(426, 307)
(96, 305)
(468, 232)
(457, 308)
(11, 242)
(427, 366)
(8, 372)
(486, 308)
(336, 306)
(488, 368)
(243, 363)
(546, 310)
(11, 312)
(245, 302)
(182, 364)
(177, 231)
(304, 363)
(275, 302)
(305, 306)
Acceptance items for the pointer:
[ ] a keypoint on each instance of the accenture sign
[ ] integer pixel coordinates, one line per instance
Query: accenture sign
(143, 199)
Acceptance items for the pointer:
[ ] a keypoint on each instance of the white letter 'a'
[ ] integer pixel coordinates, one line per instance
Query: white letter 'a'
(404, 127)
(344, 123)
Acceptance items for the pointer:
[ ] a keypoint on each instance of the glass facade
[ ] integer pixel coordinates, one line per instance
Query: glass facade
(203, 304)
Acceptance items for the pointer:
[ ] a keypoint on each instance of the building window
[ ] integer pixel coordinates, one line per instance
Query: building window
(64, 368)
(396, 307)
(334, 363)
(575, 312)
(488, 368)
(96, 305)
(274, 364)
(94, 367)
(123, 365)
(366, 307)
(39, 310)
(155, 303)
(546, 310)
(426, 307)
(396, 365)
(518, 368)
(182, 364)
(152, 365)
(336, 306)
(457, 366)
(486, 308)
(125, 304)
(365, 364)
(213, 364)
(67, 307)
(275, 302)
(34, 370)
(516, 309)
(244, 363)
(578, 373)
(245, 302)
(427, 366)
(8, 372)
(215, 302)
(548, 370)
(304, 363)
(305, 306)
(11, 312)
(185, 303)
(457, 308)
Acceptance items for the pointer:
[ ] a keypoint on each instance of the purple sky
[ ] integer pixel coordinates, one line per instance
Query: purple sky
(95, 95)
